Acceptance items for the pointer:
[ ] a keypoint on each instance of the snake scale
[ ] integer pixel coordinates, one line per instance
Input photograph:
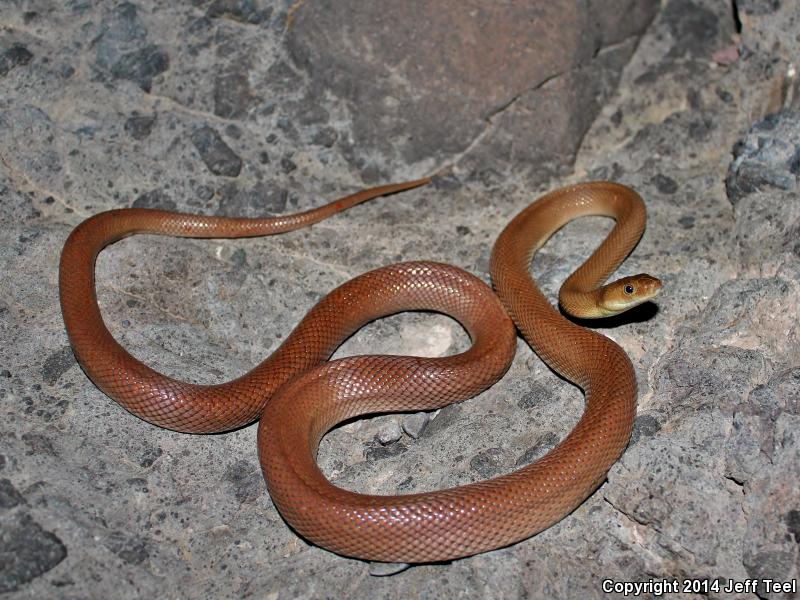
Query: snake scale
(299, 395)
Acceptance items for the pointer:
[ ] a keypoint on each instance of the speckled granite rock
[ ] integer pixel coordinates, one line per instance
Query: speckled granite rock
(201, 106)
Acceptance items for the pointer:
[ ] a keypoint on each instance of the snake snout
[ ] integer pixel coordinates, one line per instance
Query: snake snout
(649, 286)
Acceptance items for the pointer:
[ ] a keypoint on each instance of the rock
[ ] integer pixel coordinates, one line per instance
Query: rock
(261, 200)
(245, 479)
(26, 551)
(487, 463)
(326, 136)
(254, 12)
(139, 126)
(141, 66)
(390, 433)
(131, 549)
(767, 230)
(517, 76)
(57, 364)
(122, 48)
(414, 424)
(9, 496)
(232, 95)
(216, 154)
(155, 199)
(376, 451)
(17, 55)
(767, 157)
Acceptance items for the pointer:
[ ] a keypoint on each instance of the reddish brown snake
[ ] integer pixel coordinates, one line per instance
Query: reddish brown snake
(317, 394)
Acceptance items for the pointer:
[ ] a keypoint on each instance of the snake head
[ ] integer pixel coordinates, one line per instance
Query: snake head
(627, 292)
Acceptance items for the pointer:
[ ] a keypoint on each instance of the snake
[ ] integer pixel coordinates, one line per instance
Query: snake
(298, 395)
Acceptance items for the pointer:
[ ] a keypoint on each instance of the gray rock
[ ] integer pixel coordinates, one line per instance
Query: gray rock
(253, 12)
(9, 496)
(131, 549)
(767, 157)
(155, 199)
(216, 154)
(767, 229)
(261, 200)
(487, 463)
(377, 450)
(415, 424)
(26, 551)
(390, 433)
(537, 94)
(141, 66)
(17, 55)
(57, 364)
(326, 136)
(140, 126)
(232, 95)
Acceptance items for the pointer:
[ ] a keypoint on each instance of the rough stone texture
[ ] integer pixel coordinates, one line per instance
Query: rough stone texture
(768, 157)
(100, 108)
(26, 551)
(425, 84)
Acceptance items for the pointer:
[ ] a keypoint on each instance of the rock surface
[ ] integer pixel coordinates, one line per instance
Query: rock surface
(426, 86)
(244, 108)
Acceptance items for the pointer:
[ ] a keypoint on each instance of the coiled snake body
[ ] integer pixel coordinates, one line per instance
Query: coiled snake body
(299, 396)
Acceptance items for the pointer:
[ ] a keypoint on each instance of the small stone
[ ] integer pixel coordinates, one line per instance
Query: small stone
(233, 130)
(15, 56)
(155, 199)
(664, 184)
(245, 480)
(390, 433)
(215, 153)
(9, 496)
(139, 126)
(141, 66)
(326, 137)
(264, 198)
(645, 426)
(487, 463)
(415, 424)
(232, 95)
(535, 396)
(26, 551)
(244, 11)
(793, 524)
(376, 451)
(57, 364)
(288, 165)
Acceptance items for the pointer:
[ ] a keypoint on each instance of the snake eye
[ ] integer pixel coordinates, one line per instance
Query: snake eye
(629, 289)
